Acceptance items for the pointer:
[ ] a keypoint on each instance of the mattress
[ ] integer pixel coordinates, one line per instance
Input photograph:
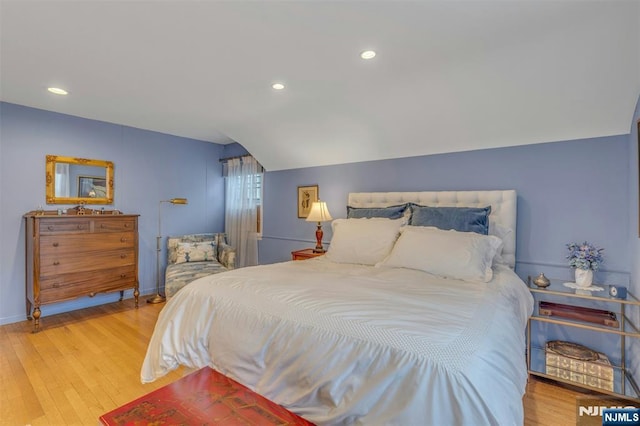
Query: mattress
(353, 344)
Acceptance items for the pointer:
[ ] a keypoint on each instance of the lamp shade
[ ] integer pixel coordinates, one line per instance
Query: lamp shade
(178, 201)
(319, 212)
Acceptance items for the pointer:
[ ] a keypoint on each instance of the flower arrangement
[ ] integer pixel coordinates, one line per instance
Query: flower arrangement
(585, 256)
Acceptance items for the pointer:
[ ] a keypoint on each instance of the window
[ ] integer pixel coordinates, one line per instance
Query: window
(243, 207)
(252, 194)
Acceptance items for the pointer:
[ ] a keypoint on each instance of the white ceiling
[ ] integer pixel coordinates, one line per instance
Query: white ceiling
(449, 75)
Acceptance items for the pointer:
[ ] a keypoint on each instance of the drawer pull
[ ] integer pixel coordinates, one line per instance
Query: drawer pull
(50, 228)
(122, 256)
(123, 275)
(79, 226)
(102, 225)
(126, 225)
(56, 263)
(55, 285)
(56, 244)
(123, 240)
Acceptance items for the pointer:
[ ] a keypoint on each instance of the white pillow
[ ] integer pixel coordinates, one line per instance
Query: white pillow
(502, 232)
(363, 241)
(462, 255)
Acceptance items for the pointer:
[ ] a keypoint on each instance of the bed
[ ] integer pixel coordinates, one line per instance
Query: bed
(426, 334)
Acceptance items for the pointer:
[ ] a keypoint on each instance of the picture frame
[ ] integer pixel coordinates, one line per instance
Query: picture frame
(90, 186)
(307, 195)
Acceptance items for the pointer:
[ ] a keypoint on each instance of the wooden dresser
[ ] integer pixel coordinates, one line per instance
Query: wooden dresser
(70, 256)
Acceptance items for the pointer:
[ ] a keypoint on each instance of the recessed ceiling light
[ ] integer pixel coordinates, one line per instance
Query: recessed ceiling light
(368, 54)
(57, 91)
(278, 86)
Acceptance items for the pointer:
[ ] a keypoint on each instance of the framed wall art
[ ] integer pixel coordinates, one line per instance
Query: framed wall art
(307, 195)
(92, 187)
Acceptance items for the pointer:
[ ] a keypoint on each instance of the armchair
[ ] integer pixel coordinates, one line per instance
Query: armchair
(194, 256)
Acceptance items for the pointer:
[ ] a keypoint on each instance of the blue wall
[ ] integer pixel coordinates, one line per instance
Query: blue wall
(567, 191)
(234, 150)
(149, 167)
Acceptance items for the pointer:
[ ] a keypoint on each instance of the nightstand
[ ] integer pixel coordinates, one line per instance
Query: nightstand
(595, 375)
(304, 254)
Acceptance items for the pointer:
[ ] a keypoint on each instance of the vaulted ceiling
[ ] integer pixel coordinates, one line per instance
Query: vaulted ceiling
(448, 75)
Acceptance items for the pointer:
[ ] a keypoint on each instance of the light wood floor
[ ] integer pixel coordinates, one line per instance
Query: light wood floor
(87, 362)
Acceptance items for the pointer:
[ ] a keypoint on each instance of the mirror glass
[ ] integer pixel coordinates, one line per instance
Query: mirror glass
(71, 180)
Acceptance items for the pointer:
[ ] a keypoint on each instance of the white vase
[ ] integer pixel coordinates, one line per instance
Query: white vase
(584, 277)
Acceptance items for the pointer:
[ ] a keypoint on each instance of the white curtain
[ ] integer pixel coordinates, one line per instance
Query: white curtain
(241, 208)
(62, 188)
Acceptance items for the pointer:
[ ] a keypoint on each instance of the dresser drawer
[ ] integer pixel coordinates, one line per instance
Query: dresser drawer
(83, 243)
(57, 226)
(69, 286)
(55, 264)
(114, 225)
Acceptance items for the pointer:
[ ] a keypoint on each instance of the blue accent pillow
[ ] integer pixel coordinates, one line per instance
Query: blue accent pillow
(463, 219)
(392, 212)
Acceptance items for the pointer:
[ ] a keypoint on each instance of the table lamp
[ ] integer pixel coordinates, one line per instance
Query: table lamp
(319, 213)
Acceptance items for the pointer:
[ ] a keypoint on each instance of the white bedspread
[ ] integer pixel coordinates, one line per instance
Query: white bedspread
(344, 344)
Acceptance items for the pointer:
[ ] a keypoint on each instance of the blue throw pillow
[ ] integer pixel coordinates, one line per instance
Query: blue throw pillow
(392, 212)
(463, 219)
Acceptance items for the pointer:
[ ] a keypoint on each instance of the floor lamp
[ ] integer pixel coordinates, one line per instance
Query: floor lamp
(159, 298)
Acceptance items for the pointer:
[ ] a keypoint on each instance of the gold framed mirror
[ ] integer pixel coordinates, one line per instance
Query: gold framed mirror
(71, 180)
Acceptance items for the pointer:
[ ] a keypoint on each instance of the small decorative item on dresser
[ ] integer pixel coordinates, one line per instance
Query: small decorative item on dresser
(585, 258)
(541, 281)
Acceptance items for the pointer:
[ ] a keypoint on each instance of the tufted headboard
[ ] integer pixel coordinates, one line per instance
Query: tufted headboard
(502, 220)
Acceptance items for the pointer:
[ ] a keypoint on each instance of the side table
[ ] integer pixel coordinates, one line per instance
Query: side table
(304, 254)
(624, 384)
